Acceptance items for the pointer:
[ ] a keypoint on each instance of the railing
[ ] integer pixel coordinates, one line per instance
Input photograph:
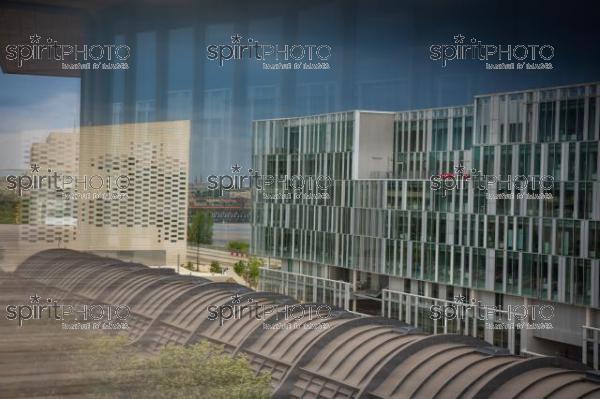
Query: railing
(464, 317)
(415, 310)
(590, 346)
(305, 288)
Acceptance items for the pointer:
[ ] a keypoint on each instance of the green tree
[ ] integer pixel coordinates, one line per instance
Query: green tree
(9, 208)
(253, 271)
(239, 268)
(215, 267)
(203, 370)
(200, 230)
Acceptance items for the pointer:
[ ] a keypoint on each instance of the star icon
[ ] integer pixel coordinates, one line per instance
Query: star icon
(459, 169)
(35, 298)
(459, 39)
(236, 39)
(35, 168)
(35, 39)
(235, 298)
(236, 168)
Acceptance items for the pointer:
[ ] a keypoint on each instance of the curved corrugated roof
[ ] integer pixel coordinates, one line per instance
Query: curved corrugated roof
(366, 357)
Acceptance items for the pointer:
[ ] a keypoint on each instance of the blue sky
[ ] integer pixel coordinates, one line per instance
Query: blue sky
(30, 108)
(380, 61)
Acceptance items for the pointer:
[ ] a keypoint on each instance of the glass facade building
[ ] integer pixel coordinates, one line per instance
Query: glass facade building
(497, 201)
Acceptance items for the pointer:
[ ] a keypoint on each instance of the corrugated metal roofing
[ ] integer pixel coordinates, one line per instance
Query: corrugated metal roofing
(366, 357)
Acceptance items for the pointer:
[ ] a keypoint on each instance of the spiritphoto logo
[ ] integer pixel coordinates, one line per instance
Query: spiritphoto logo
(65, 183)
(496, 56)
(495, 317)
(279, 317)
(72, 56)
(271, 55)
(288, 186)
(539, 185)
(449, 181)
(72, 317)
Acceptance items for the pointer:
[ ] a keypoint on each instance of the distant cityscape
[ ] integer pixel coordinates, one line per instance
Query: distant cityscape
(223, 206)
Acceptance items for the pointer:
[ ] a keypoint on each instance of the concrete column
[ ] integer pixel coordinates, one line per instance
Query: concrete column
(524, 331)
(354, 290)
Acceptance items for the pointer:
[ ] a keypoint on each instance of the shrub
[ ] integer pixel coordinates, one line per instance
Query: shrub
(253, 271)
(215, 267)
(239, 268)
(202, 370)
(238, 246)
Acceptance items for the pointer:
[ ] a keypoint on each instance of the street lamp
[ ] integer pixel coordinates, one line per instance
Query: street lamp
(198, 249)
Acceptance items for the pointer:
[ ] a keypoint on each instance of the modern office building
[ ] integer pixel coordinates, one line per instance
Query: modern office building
(49, 217)
(147, 221)
(494, 204)
(121, 191)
